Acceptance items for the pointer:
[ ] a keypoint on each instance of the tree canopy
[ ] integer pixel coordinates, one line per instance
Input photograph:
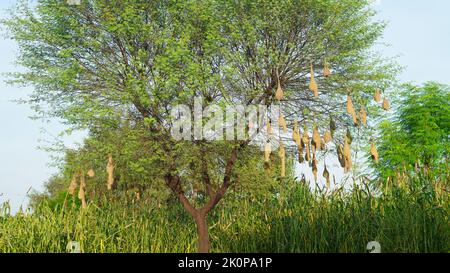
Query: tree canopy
(418, 135)
(103, 64)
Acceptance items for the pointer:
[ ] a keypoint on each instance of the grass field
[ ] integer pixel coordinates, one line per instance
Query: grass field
(412, 217)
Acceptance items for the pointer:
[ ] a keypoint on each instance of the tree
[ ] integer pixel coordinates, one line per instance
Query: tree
(418, 134)
(103, 62)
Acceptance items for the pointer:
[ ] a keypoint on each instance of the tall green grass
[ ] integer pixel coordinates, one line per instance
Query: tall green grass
(408, 218)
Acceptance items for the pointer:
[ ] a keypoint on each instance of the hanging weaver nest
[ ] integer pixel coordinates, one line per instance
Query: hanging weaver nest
(326, 175)
(279, 94)
(306, 142)
(82, 191)
(327, 137)
(316, 140)
(296, 136)
(377, 95)
(351, 110)
(332, 127)
(363, 116)
(326, 70)
(73, 185)
(374, 153)
(314, 167)
(313, 84)
(349, 137)
(307, 145)
(347, 156)
(301, 159)
(385, 104)
(340, 155)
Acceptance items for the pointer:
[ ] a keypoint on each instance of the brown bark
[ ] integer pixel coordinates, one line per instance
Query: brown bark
(200, 215)
(203, 234)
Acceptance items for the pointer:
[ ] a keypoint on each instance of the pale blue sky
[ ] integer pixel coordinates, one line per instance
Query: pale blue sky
(418, 31)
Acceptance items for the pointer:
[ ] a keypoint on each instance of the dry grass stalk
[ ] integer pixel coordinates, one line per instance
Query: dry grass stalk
(110, 171)
(282, 154)
(313, 84)
(138, 196)
(374, 153)
(377, 95)
(386, 104)
(91, 173)
(439, 188)
(267, 152)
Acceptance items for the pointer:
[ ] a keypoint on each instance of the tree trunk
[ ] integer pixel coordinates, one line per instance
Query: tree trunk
(203, 236)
